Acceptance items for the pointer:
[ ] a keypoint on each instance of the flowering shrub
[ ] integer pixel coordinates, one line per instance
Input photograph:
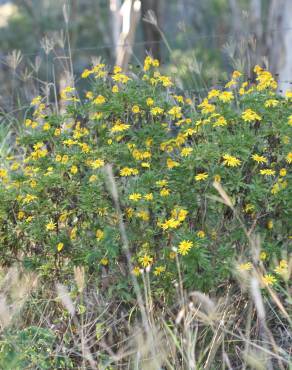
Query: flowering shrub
(166, 152)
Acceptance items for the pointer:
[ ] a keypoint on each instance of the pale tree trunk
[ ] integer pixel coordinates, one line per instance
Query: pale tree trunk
(116, 20)
(274, 35)
(124, 23)
(285, 63)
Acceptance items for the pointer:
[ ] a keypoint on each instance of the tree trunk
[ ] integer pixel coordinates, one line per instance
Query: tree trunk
(279, 42)
(116, 20)
(152, 35)
(130, 12)
(274, 34)
(285, 73)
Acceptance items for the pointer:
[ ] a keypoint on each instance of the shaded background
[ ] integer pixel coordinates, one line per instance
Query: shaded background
(45, 44)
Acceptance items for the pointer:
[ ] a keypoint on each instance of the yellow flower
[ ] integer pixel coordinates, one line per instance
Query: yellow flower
(57, 132)
(170, 224)
(135, 109)
(155, 111)
(231, 161)
(145, 165)
(33, 184)
(259, 158)
(149, 102)
(73, 233)
(164, 192)
(263, 256)
(201, 176)
(148, 196)
(29, 218)
(136, 271)
(74, 169)
(97, 163)
(117, 69)
(171, 163)
(179, 214)
(226, 96)
(245, 266)
(201, 234)
(161, 183)
(249, 115)
(99, 100)
(60, 246)
(65, 159)
(283, 172)
(104, 261)
(267, 172)
(289, 157)
(127, 171)
(120, 77)
(213, 93)
(36, 100)
(28, 122)
(159, 270)
(3, 173)
(92, 178)
(146, 260)
(230, 83)
(115, 89)
(269, 279)
(147, 63)
(86, 73)
(119, 127)
(20, 215)
(46, 126)
(206, 107)
(29, 198)
(271, 103)
(96, 115)
(129, 212)
(135, 197)
(184, 247)
(70, 142)
(89, 95)
(236, 74)
(290, 120)
(143, 215)
(51, 226)
(175, 112)
(166, 81)
(282, 268)
(248, 208)
(15, 166)
(99, 235)
(185, 152)
(63, 216)
(270, 224)
(221, 121)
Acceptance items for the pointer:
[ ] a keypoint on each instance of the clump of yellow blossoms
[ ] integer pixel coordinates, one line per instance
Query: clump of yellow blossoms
(60, 208)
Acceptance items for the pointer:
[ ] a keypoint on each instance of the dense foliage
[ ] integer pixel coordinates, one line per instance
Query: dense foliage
(166, 151)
